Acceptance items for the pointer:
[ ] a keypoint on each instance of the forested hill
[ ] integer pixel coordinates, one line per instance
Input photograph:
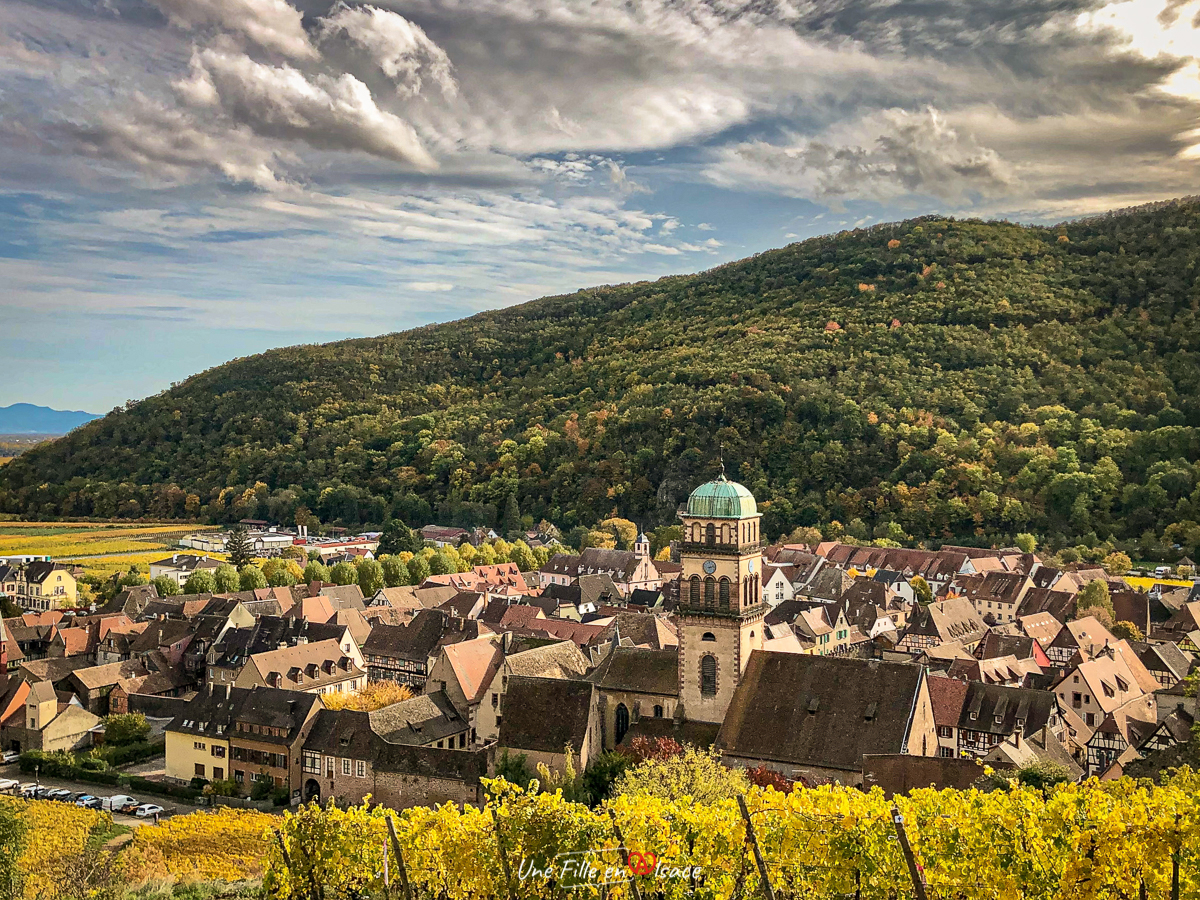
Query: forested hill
(981, 379)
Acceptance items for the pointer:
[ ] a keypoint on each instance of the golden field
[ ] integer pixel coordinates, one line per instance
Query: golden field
(100, 548)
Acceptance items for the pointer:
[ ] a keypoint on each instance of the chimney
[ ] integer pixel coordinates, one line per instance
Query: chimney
(228, 691)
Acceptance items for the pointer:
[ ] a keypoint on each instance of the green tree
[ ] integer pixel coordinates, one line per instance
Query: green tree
(1117, 563)
(1127, 631)
(316, 571)
(344, 573)
(514, 768)
(601, 774)
(418, 570)
(1026, 542)
(134, 577)
(395, 571)
(697, 774)
(370, 576)
(9, 608)
(398, 538)
(282, 572)
(922, 592)
(510, 521)
(520, 554)
(166, 586)
(251, 578)
(1093, 596)
(125, 728)
(238, 546)
(226, 579)
(442, 564)
(200, 581)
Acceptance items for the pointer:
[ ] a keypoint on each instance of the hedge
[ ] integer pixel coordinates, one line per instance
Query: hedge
(133, 753)
(178, 791)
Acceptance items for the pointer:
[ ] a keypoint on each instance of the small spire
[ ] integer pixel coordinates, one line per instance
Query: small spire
(721, 460)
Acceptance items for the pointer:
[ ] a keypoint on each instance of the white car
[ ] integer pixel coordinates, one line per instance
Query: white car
(10, 756)
(148, 810)
(114, 803)
(7, 784)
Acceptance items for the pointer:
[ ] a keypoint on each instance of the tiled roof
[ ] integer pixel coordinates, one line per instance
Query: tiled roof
(818, 710)
(546, 714)
(640, 671)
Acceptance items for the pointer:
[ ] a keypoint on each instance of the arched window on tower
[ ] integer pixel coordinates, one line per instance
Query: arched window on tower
(710, 533)
(723, 595)
(622, 723)
(710, 593)
(708, 676)
(694, 591)
(708, 636)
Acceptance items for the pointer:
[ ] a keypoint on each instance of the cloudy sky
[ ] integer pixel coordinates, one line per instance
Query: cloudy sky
(187, 181)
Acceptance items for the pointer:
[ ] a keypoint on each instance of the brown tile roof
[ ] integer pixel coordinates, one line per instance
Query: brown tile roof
(475, 663)
(546, 714)
(638, 670)
(819, 710)
(948, 696)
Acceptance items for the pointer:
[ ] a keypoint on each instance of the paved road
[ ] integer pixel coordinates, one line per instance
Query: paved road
(103, 790)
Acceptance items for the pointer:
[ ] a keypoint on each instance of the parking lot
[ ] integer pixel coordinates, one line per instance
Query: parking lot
(169, 804)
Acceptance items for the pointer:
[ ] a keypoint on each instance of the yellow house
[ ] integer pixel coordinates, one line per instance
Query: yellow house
(39, 585)
(198, 738)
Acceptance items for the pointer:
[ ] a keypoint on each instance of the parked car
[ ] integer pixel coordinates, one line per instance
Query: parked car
(10, 756)
(90, 802)
(117, 801)
(85, 799)
(41, 792)
(129, 807)
(61, 794)
(7, 784)
(148, 810)
(28, 788)
(75, 797)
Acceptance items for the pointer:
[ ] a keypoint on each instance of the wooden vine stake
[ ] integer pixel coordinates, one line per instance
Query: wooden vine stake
(400, 867)
(624, 851)
(508, 885)
(914, 871)
(768, 891)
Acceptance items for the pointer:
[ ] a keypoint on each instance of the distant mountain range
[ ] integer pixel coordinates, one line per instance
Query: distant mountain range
(25, 418)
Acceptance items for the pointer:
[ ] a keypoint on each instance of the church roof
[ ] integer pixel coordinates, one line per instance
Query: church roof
(721, 499)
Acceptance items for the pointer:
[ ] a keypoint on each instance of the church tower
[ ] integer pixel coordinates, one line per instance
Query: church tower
(720, 596)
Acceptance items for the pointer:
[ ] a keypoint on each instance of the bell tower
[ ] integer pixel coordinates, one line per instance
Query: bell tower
(720, 608)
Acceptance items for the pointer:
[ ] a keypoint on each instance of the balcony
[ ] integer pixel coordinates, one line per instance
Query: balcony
(719, 549)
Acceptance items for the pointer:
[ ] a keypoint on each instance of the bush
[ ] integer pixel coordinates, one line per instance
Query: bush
(134, 753)
(57, 764)
(127, 728)
(178, 791)
(93, 764)
(280, 796)
(261, 789)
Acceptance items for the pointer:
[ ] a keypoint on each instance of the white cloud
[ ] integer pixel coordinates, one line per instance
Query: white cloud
(430, 287)
(886, 155)
(401, 49)
(325, 111)
(271, 24)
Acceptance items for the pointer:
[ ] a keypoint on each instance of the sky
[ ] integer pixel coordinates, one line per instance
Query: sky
(183, 182)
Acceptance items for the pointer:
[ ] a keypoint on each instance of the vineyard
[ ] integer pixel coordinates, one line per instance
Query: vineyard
(1079, 842)
(102, 549)
(1122, 839)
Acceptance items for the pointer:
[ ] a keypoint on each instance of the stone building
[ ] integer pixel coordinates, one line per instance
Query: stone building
(721, 608)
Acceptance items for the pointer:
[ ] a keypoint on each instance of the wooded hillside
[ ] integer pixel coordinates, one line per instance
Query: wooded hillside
(934, 378)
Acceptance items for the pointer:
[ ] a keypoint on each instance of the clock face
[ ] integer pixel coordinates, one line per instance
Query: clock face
(709, 567)
(750, 566)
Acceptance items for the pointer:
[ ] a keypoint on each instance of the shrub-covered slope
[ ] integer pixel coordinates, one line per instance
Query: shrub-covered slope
(982, 379)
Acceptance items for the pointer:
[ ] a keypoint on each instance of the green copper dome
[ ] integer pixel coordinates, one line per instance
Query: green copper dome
(721, 499)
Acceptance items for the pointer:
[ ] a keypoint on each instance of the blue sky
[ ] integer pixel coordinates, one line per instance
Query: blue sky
(183, 182)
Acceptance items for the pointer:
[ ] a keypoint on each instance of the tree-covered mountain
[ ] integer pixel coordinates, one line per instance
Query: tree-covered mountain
(934, 378)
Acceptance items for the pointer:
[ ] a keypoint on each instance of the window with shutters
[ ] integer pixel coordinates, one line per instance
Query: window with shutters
(708, 676)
